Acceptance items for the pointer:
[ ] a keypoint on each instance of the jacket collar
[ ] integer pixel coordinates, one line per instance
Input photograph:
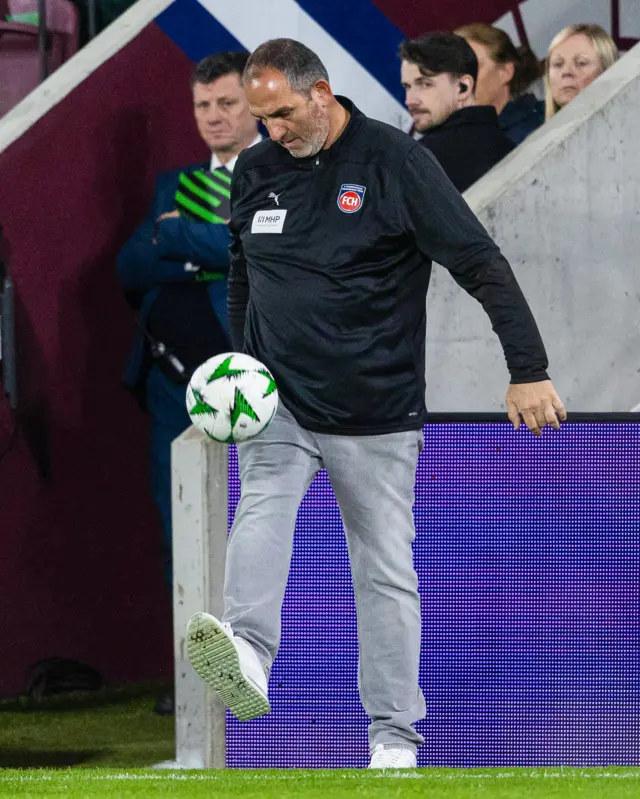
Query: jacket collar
(518, 109)
(355, 123)
(473, 115)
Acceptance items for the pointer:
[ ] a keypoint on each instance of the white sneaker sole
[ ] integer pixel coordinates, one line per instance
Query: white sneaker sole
(215, 660)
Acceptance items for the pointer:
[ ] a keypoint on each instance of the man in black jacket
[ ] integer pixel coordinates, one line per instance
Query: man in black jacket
(334, 223)
(439, 74)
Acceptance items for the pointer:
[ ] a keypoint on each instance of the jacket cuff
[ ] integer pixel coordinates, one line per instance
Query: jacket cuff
(528, 375)
(236, 331)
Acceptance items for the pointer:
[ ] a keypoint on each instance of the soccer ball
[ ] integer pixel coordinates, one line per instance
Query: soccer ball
(232, 397)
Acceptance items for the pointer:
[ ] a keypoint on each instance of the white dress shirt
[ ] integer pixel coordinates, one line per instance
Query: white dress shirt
(215, 161)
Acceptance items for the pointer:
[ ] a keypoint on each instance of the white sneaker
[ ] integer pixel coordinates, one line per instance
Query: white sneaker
(229, 665)
(388, 756)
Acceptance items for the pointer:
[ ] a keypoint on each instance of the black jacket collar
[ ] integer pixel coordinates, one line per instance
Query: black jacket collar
(474, 115)
(356, 121)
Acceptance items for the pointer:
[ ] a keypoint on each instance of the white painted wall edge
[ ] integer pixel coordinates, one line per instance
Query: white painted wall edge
(199, 504)
(554, 133)
(71, 74)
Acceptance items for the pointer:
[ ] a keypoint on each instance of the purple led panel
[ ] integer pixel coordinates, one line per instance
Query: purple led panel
(528, 553)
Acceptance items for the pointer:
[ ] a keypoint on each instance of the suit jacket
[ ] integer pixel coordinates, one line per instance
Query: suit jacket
(182, 245)
(468, 144)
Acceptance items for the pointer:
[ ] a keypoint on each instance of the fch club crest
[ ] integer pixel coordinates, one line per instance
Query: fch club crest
(350, 197)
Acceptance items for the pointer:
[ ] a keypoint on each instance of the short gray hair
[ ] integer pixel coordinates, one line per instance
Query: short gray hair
(300, 66)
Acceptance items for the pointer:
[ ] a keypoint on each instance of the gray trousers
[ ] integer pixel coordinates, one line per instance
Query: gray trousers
(373, 478)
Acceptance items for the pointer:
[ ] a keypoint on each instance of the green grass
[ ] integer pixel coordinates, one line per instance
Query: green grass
(53, 750)
(423, 784)
(108, 728)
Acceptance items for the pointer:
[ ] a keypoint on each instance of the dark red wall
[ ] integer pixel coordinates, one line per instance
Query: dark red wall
(414, 17)
(80, 573)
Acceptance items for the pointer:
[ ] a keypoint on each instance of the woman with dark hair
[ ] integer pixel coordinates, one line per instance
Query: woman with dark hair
(504, 75)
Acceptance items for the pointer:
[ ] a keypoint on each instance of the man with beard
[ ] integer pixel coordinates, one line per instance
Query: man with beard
(439, 74)
(334, 223)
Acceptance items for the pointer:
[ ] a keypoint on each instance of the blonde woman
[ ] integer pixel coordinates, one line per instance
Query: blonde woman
(577, 55)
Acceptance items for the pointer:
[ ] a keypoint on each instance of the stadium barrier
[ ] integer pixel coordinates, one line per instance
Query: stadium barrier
(527, 552)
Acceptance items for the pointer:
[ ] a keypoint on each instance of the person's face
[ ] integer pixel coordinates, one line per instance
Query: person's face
(573, 65)
(430, 99)
(298, 123)
(493, 79)
(222, 114)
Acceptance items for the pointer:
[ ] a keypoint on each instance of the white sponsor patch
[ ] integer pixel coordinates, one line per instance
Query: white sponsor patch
(268, 221)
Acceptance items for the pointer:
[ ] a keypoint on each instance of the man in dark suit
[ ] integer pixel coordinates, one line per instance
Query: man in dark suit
(439, 74)
(174, 268)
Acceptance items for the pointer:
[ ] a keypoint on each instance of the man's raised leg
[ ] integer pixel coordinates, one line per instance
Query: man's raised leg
(234, 655)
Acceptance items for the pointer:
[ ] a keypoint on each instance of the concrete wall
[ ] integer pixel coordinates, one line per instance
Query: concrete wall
(565, 209)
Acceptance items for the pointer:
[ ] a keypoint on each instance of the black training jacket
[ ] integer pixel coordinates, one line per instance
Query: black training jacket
(330, 264)
(468, 144)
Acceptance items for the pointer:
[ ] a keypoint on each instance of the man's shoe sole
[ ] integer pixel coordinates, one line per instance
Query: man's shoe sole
(214, 658)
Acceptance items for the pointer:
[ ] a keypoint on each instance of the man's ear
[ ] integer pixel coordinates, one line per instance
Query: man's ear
(321, 90)
(466, 86)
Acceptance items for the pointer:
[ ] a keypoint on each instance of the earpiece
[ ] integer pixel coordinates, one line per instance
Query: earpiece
(463, 87)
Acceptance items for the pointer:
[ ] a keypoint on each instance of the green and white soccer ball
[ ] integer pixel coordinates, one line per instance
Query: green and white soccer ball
(232, 397)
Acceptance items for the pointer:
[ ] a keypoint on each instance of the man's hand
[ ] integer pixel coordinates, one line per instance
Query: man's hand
(169, 215)
(536, 404)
